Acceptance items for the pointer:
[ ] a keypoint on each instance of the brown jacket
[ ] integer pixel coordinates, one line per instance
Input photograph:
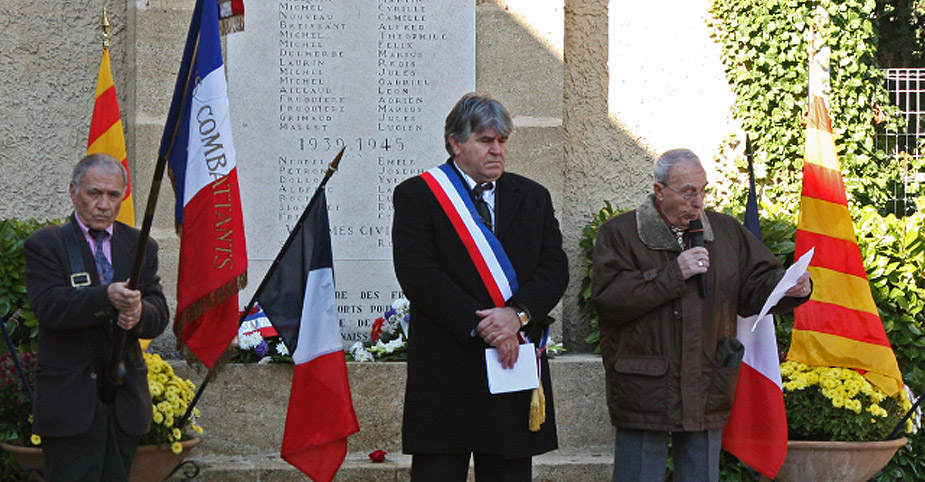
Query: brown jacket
(659, 339)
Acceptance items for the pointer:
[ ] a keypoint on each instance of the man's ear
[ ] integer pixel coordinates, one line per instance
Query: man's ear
(657, 189)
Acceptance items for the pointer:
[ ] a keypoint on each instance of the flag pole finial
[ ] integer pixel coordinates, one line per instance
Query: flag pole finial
(332, 168)
(105, 26)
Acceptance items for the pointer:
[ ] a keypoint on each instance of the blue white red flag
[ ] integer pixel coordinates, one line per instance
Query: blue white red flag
(757, 428)
(298, 297)
(230, 16)
(259, 323)
(198, 146)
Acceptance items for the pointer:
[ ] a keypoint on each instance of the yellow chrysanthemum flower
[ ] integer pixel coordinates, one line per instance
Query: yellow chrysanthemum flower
(176, 447)
(853, 405)
(35, 439)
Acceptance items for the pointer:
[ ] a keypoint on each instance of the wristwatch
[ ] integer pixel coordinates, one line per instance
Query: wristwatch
(524, 317)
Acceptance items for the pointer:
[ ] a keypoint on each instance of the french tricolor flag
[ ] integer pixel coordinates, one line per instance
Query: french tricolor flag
(197, 144)
(757, 428)
(298, 297)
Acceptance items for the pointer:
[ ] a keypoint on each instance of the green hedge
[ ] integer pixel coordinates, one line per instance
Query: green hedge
(14, 306)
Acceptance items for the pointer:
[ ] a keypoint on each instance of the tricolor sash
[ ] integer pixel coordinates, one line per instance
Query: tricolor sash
(483, 246)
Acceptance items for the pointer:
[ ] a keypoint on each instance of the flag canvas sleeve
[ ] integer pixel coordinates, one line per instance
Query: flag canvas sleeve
(197, 144)
(298, 298)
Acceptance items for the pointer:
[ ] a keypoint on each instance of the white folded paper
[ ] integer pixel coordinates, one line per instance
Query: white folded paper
(522, 376)
(788, 281)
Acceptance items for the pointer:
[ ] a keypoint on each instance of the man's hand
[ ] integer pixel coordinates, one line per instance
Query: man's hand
(127, 302)
(499, 328)
(694, 261)
(802, 289)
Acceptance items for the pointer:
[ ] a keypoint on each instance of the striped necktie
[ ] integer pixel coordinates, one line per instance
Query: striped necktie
(103, 267)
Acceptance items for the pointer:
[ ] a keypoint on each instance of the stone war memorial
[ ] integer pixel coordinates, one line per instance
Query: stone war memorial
(596, 90)
(314, 77)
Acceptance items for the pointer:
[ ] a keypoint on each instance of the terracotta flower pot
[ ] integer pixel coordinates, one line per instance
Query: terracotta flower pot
(836, 461)
(152, 463)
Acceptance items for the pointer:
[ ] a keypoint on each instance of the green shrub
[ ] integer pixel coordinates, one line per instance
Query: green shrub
(18, 318)
(587, 242)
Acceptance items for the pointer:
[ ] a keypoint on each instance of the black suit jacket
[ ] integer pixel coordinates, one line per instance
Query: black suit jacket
(74, 333)
(448, 408)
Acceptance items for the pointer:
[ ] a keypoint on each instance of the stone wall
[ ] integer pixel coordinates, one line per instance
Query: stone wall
(244, 409)
(596, 88)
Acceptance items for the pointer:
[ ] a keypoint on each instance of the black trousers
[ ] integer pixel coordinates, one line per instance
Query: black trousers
(455, 468)
(102, 453)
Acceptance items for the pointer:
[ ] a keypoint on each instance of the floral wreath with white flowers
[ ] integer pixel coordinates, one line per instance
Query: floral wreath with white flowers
(389, 337)
(258, 342)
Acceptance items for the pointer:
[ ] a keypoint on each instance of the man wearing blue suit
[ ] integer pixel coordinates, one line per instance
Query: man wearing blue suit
(89, 430)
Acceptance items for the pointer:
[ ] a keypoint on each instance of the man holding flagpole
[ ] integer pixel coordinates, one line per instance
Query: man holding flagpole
(76, 281)
(669, 280)
(478, 253)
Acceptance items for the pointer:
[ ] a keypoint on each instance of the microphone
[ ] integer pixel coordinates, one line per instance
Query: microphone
(696, 231)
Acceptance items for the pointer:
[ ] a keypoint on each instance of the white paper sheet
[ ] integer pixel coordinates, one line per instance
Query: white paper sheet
(522, 376)
(788, 281)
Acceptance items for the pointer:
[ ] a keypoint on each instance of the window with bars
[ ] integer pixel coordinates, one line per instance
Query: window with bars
(906, 88)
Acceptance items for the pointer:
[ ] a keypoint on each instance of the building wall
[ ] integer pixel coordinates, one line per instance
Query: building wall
(597, 88)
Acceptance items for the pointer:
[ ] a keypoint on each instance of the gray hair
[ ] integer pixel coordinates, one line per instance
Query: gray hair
(475, 113)
(105, 162)
(662, 166)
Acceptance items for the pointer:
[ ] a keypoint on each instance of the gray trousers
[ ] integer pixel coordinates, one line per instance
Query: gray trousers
(642, 455)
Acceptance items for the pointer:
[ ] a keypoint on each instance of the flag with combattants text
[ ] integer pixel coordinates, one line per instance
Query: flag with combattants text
(198, 145)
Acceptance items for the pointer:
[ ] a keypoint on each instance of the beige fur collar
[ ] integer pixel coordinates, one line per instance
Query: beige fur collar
(655, 234)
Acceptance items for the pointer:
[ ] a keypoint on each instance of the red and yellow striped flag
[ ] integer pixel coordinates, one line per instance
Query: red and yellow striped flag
(106, 135)
(839, 325)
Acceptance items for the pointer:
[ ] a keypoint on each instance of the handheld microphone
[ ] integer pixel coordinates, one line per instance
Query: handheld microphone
(696, 231)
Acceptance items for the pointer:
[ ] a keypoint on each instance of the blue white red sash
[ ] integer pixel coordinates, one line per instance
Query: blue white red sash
(483, 246)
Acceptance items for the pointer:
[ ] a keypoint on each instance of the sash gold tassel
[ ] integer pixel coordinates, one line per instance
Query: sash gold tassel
(537, 408)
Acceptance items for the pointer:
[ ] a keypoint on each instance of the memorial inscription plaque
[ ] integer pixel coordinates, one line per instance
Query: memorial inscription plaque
(308, 77)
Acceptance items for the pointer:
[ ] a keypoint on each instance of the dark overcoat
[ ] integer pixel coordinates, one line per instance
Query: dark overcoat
(448, 408)
(74, 332)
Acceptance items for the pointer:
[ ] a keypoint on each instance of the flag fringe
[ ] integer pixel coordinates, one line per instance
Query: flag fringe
(193, 361)
(231, 25)
(200, 307)
(207, 302)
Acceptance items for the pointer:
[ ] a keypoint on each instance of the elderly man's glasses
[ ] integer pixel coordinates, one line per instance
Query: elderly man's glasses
(689, 194)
